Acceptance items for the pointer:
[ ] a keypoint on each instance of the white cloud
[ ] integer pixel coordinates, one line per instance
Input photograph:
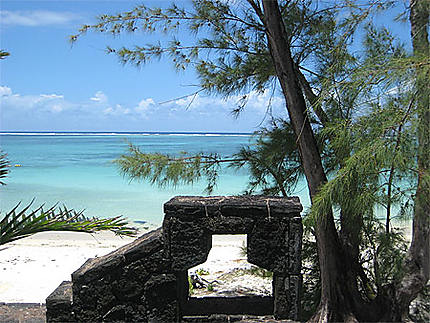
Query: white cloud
(42, 102)
(51, 96)
(145, 104)
(33, 18)
(99, 97)
(256, 101)
(5, 91)
(117, 110)
(262, 101)
(145, 108)
(57, 108)
(206, 113)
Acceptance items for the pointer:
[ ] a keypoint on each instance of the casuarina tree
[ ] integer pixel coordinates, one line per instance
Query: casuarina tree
(361, 121)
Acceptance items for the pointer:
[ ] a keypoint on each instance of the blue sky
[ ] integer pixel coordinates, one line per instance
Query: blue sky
(49, 85)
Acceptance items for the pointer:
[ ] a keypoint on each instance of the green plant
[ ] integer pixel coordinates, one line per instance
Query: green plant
(202, 272)
(243, 250)
(260, 272)
(4, 167)
(190, 286)
(358, 117)
(210, 287)
(20, 223)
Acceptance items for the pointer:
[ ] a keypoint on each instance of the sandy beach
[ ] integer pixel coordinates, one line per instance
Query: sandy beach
(33, 267)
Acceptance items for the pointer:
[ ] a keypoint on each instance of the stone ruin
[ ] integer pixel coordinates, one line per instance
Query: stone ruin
(147, 280)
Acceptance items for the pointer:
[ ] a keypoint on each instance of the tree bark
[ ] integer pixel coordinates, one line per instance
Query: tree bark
(340, 299)
(417, 263)
(336, 300)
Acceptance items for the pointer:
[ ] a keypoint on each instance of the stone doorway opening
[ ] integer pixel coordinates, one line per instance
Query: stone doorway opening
(274, 231)
(226, 283)
(227, 272)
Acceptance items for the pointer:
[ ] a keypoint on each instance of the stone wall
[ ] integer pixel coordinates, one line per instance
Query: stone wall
(146, 281)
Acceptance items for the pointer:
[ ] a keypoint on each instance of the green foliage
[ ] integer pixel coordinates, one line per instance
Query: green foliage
(223, 37)
(254, 271)
(229, 49)
(382, 253)
(3, 54)
(311, 274)
(190, 286)
(382, 166)
(273, 161)
(210, 287)
(243, 250)
(164, 170)
(202, 272)
(259, 272)
(4, 167)
(20, 223)
(17, 224)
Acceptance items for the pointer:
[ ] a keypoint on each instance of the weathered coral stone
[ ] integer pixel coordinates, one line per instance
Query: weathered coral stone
(146, 280)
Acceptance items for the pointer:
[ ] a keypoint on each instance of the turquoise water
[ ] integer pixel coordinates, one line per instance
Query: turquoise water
(77, 170)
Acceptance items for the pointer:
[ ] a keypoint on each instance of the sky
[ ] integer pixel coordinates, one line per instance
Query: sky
(47, 84)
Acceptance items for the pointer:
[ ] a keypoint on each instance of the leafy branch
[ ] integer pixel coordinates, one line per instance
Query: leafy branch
(17, 224)
(164, 170)
(4, 167)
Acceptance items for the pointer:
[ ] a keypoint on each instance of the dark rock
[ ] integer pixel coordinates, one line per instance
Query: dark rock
(161, 298)
(59, 304)
(192, 207)
(139, 249)
(268, 245)
(146, 281)
(111, 287)
(295, 245)
(257, 305)
(286, 292)
(189, 243)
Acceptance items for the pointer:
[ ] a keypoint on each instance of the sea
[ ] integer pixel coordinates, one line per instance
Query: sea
(76, 170)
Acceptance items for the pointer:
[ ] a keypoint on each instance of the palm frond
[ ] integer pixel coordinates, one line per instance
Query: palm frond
(21, 223)
(4, 167)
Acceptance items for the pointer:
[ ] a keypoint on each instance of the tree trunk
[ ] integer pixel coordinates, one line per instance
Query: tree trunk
(351, 222)
(417, 263)
(336, 301)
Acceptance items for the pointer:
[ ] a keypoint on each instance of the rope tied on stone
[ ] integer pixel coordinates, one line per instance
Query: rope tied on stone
(268, 209)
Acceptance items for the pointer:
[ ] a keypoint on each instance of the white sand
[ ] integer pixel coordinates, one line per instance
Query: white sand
(31, 268)
(228, 268)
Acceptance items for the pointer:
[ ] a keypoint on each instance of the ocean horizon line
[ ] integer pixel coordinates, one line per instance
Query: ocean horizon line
(120, 133)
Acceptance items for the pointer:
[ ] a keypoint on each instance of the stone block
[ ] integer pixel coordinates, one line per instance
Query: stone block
(161, 298)
(192, 207)
(286, 293)
(295, 245)
(268, 245)
(189, 243)
(111, 287)
(228, 225)
(59, 304)
(146, 280)
(107, 265)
